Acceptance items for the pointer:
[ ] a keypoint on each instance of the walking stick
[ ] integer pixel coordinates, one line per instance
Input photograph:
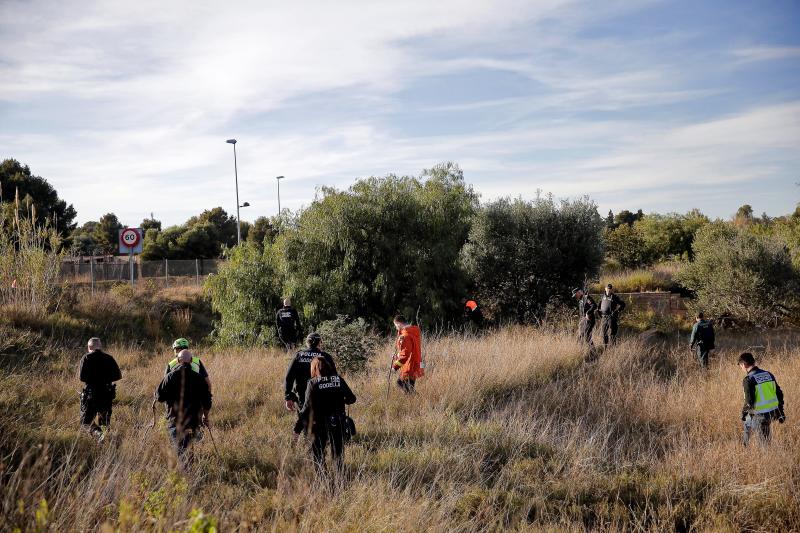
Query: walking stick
(214, 442)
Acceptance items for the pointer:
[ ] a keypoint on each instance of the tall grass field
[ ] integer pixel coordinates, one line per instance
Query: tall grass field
(514, 430)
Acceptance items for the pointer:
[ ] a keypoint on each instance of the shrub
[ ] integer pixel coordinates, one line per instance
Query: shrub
(520, 253)
(743, 275)
(385, 245)
(245, 293)
(351, 341)
(29, 265)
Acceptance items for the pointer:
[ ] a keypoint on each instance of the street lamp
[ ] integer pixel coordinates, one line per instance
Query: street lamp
(279, 178)
(236, 176)
(246, 204)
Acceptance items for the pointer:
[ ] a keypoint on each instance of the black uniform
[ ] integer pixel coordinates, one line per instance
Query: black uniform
(323, 413)
(610, 308)
(587, 307)
(297, 377)
(702, 340)
(187, 395)
(288, 323)
(99, 371)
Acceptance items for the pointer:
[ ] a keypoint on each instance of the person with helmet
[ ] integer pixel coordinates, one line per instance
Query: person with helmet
(763, 400)
(299, 372)
(702, 339)
(183, 356)
(323, 412)
(98, 370)
(287, 321)
(188, 400)
(611, 306)
(473, 316)
(408, 356)
(587, 308)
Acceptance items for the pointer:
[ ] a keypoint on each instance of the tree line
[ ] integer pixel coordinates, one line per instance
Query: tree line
(421, 245)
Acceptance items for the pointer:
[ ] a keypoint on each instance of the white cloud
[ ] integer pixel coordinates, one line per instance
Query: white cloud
(142, 95)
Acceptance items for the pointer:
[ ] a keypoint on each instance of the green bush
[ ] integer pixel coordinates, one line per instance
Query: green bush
(747, 276)
(245, 293)
(520, 253)
(352, 342)
(384, 246)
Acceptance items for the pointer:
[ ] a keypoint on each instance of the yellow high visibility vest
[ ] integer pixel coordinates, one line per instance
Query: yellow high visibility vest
(195, 364)
(766, 393)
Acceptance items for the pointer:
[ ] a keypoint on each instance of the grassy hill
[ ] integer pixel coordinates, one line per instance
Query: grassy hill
(514, 430)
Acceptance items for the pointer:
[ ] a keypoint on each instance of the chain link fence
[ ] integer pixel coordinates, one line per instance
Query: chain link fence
(93, 270)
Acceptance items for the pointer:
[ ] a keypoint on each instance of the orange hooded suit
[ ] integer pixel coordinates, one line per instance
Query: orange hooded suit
(409, 353)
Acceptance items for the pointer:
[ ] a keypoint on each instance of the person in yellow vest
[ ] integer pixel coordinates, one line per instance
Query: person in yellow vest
(763, 400)
(183, 355)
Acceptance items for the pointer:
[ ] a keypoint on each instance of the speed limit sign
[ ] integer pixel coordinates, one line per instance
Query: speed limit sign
(130, 240)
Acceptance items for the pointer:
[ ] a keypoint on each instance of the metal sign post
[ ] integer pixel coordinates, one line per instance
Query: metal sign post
(130, 242)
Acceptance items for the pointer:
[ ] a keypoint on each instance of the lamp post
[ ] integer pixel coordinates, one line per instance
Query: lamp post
(236, 177)
(279, 178)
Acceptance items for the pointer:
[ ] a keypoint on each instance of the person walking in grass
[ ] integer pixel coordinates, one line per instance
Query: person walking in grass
(188, 399)
(763, 400)
(98, 370)
(287, 322)
(182, 355)
(323, 412)
(586, 309)
(702, 339)
(408, 354)
(611, 306)
(299, 372)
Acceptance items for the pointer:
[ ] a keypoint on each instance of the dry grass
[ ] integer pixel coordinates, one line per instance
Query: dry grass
(510, 431)
(653, 279)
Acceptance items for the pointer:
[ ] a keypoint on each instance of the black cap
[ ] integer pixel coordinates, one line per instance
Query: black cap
(609, 286)
(576, 290)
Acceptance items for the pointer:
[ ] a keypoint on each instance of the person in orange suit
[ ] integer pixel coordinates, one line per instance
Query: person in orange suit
(408, 359)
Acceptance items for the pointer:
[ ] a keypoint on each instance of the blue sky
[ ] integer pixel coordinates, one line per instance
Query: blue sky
(663, 106)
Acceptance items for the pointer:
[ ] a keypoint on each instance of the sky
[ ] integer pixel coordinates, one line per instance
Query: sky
(125, 107)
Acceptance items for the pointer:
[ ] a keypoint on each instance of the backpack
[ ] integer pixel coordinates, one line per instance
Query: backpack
(706, 333)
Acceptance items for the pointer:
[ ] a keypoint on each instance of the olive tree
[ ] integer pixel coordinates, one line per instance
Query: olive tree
(521, 253)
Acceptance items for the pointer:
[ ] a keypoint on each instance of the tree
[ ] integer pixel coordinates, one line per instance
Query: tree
(610, 220)
(262, 229)
(224, 226)
(245, 293)
(150, 223)
(106, 233)
(668, 236)
(743, 216)
(626, 245)
(747, 276)
(34, 190)
(520, 254)
(626, 217)
(385, 245)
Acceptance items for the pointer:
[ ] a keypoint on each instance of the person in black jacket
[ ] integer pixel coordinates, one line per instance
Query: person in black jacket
(288, 323)
(188, 400)
(702, 339)
(611, 306)
(98, 370)
(299, 373)
(586, 308)
(323, 411)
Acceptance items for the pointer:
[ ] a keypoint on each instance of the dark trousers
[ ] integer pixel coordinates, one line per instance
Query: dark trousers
(99, 409)
(407, 385)
(331, 430)
(757, 426)
(288, 337)
(181, 440)
(585, 329)
(702, 355)
(609, 326)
